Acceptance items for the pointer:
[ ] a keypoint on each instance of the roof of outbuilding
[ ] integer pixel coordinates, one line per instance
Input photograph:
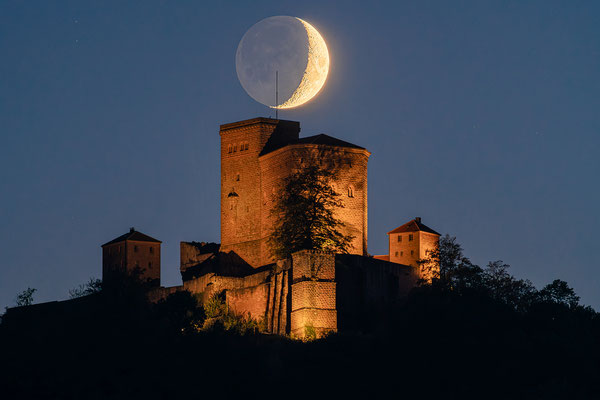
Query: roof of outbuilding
(414, 226)
(133, 235)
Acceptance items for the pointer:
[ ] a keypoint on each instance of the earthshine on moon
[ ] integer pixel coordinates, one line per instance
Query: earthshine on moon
(290, 47)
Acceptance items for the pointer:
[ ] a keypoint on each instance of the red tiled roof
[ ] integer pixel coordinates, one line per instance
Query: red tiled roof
(414, 226)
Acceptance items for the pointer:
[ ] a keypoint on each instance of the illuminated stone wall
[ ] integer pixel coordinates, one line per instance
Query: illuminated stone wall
(313, 300)
(317, 292)
(409, 252)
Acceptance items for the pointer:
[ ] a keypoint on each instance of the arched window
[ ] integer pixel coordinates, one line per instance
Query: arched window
(230, 148)
(246, 146)
(350, 191)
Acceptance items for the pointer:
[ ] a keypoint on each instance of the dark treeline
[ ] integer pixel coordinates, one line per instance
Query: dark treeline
(475, 332)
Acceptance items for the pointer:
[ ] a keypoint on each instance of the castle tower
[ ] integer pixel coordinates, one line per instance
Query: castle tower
(256, 155)
(349, 162)
(241, 145)
(129, 252)
(411, 242)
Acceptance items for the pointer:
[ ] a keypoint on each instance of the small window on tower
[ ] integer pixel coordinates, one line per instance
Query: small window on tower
(412, 252)
(401, 253)
(350, 191)
(396, 254)
(237, 177)
(246, 146)
(135, 249)
(410, 237)
(399, 238)
(229, 148)
(137, 264)
(234, 148)
(149, 264)
(151, 249)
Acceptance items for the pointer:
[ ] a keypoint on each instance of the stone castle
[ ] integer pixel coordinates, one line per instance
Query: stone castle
(320, 290)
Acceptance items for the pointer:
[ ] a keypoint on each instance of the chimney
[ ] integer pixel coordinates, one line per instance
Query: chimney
(131, 230)
(418, 219)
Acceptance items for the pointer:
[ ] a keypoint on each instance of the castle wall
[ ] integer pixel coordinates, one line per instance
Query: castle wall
(313, 304)
(316, 292)
(365, 283)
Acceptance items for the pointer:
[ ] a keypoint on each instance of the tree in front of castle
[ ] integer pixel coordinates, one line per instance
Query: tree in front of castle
(303, 212)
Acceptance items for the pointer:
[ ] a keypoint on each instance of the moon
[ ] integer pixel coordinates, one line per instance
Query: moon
(290, 47)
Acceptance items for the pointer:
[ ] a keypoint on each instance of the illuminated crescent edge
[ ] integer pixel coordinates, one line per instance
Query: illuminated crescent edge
(317, 68)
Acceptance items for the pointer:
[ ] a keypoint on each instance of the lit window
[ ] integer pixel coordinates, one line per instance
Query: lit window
(410, 237)
(399, 238)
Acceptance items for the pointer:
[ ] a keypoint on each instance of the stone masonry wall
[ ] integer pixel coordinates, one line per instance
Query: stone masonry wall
(313, 297)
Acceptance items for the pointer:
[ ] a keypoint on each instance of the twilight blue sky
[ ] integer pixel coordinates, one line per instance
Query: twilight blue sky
(482, 117)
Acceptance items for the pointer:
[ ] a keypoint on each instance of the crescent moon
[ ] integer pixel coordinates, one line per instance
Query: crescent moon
(317, 68)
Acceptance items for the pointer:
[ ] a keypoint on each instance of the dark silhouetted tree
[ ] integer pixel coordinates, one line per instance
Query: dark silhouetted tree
(25, 298)
(559, 292)
(455, 270)
(304, 214)
(90, 287)
(503, 287)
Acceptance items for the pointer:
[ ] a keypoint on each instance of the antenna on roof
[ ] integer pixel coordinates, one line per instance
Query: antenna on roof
(276, 94)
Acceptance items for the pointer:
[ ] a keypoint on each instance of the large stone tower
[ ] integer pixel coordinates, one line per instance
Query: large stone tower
(241, 145)
(256, 155)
